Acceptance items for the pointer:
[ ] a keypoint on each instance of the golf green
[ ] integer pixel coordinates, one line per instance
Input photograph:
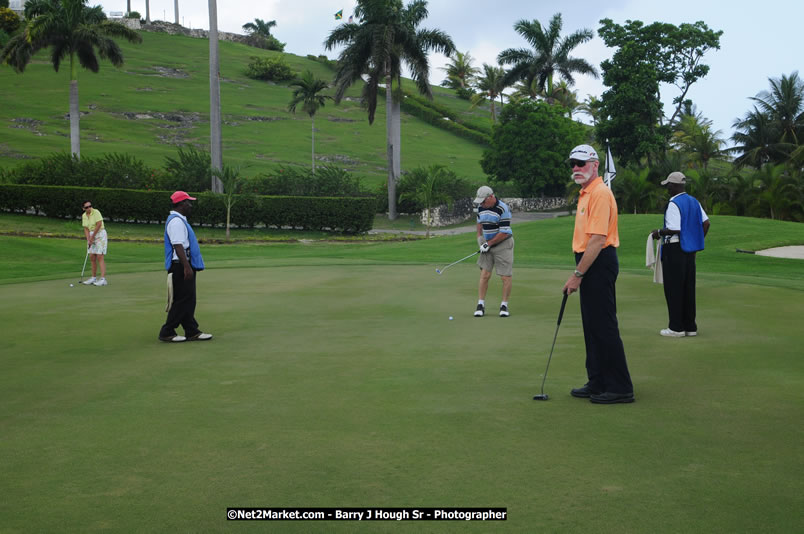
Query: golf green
(346, 385)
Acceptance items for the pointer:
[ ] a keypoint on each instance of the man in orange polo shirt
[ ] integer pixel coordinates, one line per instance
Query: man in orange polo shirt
(595, 243)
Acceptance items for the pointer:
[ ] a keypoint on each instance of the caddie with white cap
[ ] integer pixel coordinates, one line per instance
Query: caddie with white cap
(683, 232)
(496, 240)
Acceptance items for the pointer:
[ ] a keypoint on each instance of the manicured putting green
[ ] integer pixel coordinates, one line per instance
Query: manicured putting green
(348, 385)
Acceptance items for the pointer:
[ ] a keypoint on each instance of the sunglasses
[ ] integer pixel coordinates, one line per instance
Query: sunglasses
(577, 163)
(87, 207)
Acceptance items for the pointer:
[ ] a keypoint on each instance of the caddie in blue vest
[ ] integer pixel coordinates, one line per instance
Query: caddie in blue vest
(685, 225)
(182, 261)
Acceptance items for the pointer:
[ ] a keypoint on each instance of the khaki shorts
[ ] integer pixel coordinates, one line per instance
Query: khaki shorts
(500, 257)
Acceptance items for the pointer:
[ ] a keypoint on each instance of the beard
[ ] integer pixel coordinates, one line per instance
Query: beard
(582, 177)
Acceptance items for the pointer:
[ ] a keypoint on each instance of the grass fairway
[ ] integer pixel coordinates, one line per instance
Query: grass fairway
(336, 379)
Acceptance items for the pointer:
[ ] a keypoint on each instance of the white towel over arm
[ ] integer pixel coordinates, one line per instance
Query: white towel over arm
(653, 259)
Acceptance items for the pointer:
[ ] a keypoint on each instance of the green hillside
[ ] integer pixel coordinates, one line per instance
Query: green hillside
(160, 99)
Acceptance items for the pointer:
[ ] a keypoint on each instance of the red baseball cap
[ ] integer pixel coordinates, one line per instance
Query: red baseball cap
(178, 196)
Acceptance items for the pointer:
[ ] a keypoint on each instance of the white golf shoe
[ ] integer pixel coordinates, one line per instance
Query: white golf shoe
(90, 281)
(101, 282)
(666, 332)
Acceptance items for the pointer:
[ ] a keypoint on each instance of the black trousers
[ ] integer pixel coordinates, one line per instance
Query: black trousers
(182, 312)
(606, 367)
(678, 270)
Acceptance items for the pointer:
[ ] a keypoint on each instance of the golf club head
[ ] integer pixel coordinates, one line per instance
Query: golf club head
(438, 271)
(542, 396)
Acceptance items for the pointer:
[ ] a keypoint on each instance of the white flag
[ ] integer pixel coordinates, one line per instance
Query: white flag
(611, 172)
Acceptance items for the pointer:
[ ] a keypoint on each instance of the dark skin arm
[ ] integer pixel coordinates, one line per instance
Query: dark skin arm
(188, 270)
(664, 231)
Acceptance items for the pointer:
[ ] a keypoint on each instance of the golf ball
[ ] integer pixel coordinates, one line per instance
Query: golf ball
(71, 285)
(450, 317)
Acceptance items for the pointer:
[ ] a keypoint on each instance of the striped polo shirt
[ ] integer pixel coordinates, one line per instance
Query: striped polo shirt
(495, 219)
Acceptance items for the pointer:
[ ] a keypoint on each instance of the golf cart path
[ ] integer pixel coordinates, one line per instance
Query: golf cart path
(794, 252)
(516, 217)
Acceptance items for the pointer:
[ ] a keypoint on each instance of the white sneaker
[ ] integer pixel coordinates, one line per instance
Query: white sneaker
(101, 282)
(200, 337)
(504, 311)
(666, 332)
(691, 334)
(480, 311)
(90, 281)
(173, 339)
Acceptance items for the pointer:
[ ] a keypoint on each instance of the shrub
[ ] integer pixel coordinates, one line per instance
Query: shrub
(134, 15)
(329, 181)
(9, 21)
(192, 171)
(449, 183)
(273, 69)
(110, 170)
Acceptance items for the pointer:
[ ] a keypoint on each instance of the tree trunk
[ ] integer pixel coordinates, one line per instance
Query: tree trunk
(389, 136)
(493, 114)
(75, 114)
(312, 121)
(128, 7)
(147, 11)
(176, 10)
(216, 145)
(397, 118)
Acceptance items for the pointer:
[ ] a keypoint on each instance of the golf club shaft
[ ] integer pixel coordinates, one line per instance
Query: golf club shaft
(555, 336)
(459, 261)
(84, 267)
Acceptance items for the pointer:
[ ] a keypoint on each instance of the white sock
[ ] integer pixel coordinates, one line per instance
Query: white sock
(504, 303)
(481, 301)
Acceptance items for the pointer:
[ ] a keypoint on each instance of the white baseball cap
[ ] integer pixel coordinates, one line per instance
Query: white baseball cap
(583, 153)
(483, 193)
(675, 178)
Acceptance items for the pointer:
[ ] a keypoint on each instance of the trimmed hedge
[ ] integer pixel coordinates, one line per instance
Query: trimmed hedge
(352, 215)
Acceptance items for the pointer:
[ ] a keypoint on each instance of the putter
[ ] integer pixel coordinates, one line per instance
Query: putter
(439, 271)
(543, 395)
(81, 281)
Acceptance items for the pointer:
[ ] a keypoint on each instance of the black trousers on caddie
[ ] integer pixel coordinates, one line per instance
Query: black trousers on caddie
(678, 270)
(182, 312)
(606, 367)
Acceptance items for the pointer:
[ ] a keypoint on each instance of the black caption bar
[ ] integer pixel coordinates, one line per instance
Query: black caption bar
(367, 514)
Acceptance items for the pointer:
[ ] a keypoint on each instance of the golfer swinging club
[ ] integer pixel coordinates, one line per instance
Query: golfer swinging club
(493, 230)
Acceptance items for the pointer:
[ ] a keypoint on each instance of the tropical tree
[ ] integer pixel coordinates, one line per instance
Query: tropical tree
(215, 135)
(755, 140)
(232, 186)
(591, 107)
(635, 193)
(71, 30)
(460, 72)
(387, 36)
(489, 86)
(695, 138)
(429, 191)
(784, 104)
(776, 192)
(308, 94)
(147, 11)
(259, 27)
(550, 54)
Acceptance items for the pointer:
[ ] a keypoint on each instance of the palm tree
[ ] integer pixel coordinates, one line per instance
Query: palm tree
(634, 191)
(386, 36)
(784, 103)
(147, 11)
(591, 106)
(550, 54)
(460, 72)
(695, 138)
(429, 191)
(176, 11)
(776, 191)
(490, 85)
(71, 30)
(307, 94)
(259, 27)
(215, 135)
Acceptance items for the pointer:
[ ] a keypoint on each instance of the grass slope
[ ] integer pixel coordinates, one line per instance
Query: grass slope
(258, 130)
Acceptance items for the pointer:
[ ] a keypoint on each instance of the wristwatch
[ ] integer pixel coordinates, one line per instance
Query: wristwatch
(578, 273)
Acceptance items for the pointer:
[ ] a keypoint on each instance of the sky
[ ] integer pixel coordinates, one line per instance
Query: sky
(760, 40)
